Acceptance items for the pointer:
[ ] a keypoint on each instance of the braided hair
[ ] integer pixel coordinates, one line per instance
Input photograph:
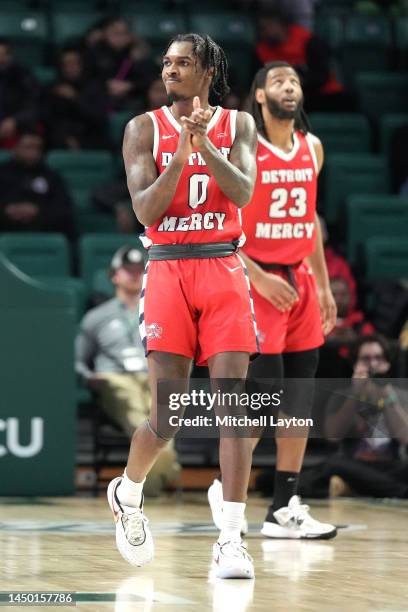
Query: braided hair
(302, 123)
(210, 55)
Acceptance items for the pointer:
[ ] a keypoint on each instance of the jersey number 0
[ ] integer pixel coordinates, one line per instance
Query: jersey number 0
(197, 189)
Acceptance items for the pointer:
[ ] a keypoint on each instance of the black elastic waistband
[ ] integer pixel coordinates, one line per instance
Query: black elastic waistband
(277, 266)
(286, 268)
(196, 250)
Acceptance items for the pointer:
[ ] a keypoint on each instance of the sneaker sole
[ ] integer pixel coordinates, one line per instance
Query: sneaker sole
(233, 572)
(270, 530)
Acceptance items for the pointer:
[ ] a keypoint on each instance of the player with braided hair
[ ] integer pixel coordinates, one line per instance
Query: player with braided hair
(190, 168)
(211, 56)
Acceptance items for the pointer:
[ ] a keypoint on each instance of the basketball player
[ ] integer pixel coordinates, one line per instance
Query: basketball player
(190, 168)
(293, 303)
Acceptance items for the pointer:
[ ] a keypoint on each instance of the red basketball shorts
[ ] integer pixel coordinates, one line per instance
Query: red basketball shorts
(298, 329)
(197, 308)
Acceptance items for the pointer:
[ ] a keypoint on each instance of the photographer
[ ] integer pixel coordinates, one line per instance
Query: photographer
(370, 421)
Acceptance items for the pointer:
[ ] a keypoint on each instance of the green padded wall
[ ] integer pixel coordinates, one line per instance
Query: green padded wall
(37, 392)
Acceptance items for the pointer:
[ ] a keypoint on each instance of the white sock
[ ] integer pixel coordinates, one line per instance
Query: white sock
(233, 515)
(130, 492)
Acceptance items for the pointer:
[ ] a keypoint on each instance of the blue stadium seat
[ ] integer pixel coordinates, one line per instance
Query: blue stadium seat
(386, 258)
(389, 123)
(28, 30)
(233, 30)
(342, 132)
(37, 254)
(82, 170)
(117, 124)
(158, 28)
(374, 216)
(96, 252)
(367, 45)
(401, 40)
(352, 174)
(23, 25)
(382, 92)
(330, 28)
(69, 26)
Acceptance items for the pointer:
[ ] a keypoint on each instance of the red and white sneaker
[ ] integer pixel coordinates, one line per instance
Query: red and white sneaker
(133, 538)
(231, 560)
(215, 499)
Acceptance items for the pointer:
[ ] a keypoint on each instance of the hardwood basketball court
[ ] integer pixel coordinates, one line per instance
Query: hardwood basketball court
(67, 544)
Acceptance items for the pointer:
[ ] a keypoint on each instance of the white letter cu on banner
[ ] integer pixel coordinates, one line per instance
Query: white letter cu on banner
(13, 446)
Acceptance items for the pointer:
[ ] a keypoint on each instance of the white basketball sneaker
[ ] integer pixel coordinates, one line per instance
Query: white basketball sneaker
(294, 522)
(231, 560)
(215, 499)
(133, 538)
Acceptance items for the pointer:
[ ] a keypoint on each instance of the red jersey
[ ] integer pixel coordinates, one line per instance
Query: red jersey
(279, 222)
(199, 210)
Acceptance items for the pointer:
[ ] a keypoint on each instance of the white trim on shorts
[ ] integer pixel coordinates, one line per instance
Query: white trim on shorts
(142, 323)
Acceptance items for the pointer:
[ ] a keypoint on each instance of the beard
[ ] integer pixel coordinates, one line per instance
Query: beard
(279, 112)
(175, 97)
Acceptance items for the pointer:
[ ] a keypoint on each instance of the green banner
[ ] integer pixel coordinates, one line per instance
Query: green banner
(37, 387)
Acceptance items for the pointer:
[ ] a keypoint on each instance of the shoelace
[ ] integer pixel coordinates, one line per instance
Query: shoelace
(239, 549)
(134, 526)
(301, 514)
(295, 514)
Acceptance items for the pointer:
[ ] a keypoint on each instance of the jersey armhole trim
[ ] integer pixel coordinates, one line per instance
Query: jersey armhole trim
(309, 141)
(156, 134)
(233, 125)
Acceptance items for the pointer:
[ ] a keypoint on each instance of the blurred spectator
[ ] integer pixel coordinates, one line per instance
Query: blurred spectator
(298, 11)
(351, 323)
(337, 265)
(114, 197)
(403, 344)
(370, 421)
(232, 100)
(33, 197)
(280, 39)
(110, 357)
(389, 306)
(350, 326)
(403, 339)
(19, 93)
(75, 107)
(122, 62)
(156, 95)
(95, 33)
